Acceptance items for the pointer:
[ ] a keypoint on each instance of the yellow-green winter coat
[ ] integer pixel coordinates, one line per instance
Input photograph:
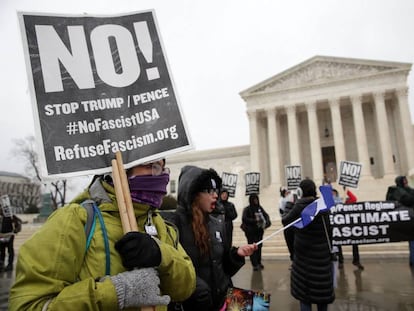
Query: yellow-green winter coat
(55, 272)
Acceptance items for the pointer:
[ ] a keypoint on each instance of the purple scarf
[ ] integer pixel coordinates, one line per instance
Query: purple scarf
(148, 189)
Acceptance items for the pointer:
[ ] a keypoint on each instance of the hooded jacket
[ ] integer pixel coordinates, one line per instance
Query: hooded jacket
(214, 271)
(54, 272)
(401, 193)
(252, 224)
(229, 212)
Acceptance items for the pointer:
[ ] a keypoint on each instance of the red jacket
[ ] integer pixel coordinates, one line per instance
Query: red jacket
(350, 197)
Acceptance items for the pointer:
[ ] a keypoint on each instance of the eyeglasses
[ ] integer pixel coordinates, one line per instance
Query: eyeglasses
(211, 191)
(157, 169)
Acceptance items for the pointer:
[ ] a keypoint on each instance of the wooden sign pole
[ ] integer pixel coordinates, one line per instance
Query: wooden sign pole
(123, 196)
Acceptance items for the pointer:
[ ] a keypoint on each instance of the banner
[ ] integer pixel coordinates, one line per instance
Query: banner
(252, 183)
(229, 182)
(293, 176)
(371, 222)
(100, 84)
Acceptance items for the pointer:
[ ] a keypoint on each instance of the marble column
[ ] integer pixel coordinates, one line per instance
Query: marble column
(383, 133)
(293, 135)
(407, 128)
(361, 135)
(338, 132)
(254, 142)
(273, 142)
(315, 143)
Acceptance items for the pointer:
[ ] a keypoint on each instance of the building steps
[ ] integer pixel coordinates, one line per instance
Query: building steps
(273, 248)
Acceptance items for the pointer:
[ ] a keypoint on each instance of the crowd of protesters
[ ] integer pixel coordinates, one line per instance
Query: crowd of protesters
(187, 265)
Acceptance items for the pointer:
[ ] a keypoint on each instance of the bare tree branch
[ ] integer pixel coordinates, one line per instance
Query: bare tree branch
(25, 149)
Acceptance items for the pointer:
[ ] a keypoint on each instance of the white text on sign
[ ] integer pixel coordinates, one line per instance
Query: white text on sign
(54, 53)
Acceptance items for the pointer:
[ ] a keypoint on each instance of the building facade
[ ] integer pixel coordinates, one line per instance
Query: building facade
(321, 112)
(21, 191)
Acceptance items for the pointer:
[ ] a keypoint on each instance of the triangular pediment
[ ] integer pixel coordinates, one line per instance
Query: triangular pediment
(323, 70)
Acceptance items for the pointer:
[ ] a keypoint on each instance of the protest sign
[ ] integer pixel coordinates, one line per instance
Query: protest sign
(5, 206)
(252, 183)
(293, 176)
(100, 84)
(349, 174)
(371, 222)
(229, 182)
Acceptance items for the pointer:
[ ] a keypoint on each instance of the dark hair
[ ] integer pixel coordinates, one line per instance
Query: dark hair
(399, 181)
(224, 190)
(252, 197)
(308, 188)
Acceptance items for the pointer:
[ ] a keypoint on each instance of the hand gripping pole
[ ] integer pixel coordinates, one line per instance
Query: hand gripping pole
(123, 196)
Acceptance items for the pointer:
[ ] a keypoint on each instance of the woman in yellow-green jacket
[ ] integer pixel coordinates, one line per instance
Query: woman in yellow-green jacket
(58, 269)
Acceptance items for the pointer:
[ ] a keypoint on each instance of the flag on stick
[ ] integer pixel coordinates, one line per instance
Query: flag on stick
(322, 204)
(309, 212)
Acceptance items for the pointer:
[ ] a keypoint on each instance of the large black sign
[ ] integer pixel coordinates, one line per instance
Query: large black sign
(100, 84)
(371, 222)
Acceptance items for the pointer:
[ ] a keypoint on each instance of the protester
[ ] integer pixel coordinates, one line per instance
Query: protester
(56, 270)
(202, 236)
(230, 214)
(254, 222)
(10, 225)
(312, 273)
(286, 202)
(403, 194)
(350, 198)
(284, 193)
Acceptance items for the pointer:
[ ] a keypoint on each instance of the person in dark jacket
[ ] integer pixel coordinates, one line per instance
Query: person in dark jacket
(10, 225)
(286, 202)
(349, 199)
(230, 213)
(403, 194)
(312, 273)
(255, 220)
(203, 238)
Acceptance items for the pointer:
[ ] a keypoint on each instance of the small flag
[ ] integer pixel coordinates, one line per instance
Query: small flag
(320, 205)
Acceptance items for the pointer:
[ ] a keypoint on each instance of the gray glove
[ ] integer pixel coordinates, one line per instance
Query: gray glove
(138, 288)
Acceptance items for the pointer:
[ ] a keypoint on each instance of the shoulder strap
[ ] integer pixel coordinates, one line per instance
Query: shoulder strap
(92, 211)
(90, 221)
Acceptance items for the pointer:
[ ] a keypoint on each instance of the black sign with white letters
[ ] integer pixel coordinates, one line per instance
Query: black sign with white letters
(100, 84)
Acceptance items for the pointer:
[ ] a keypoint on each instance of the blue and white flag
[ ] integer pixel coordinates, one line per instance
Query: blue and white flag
(320, 205)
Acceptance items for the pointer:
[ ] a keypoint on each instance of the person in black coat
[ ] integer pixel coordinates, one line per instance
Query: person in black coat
(230, 213)
(403, 194)
(203, 237)
(10, 225)
(254, 221)
(312, 273)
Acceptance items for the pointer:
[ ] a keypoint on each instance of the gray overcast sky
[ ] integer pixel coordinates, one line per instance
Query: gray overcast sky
(217, 49)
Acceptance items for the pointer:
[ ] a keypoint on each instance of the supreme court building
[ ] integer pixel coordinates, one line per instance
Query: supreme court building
(316, 114)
